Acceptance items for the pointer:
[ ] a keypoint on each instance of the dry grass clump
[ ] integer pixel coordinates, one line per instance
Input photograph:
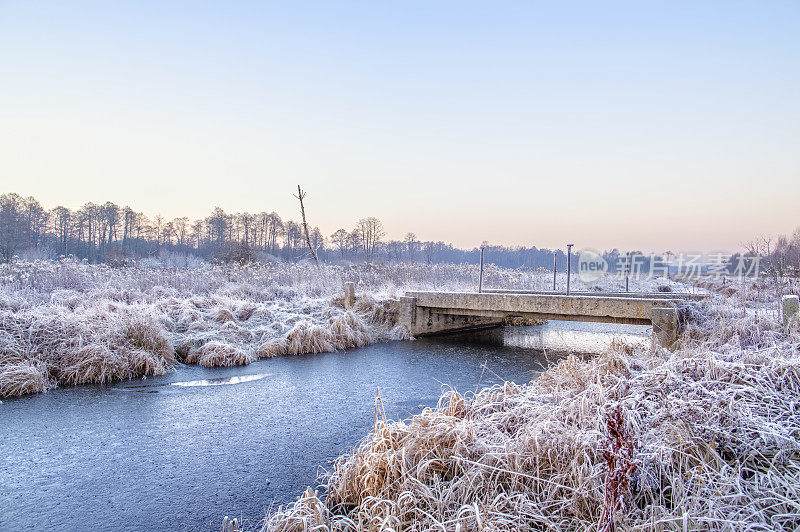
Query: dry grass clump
(188, 351)
(272, 327)
(22, 378)
(306, 337)
(726, 325)
(129, 345)
(152, 352)
(51, 345)
(343, 329)
(273, 347)
(245, 311)
(75, 337)
(376, 311)
(349, 329)
(216, 353)
(707, 437)
(223, 316)
(399, 332)
(92, 363)
(750, 291)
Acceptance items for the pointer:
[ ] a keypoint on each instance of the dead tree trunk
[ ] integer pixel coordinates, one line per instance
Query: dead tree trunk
(300, 196)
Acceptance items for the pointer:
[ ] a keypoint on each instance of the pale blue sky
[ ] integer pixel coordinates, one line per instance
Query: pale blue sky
(609, 124)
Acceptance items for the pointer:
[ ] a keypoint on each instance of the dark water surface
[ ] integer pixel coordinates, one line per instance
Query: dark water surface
(181, 451)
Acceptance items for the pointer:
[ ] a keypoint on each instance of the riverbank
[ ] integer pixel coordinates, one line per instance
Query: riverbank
(70, 323)
(705, 437)
(66, 323)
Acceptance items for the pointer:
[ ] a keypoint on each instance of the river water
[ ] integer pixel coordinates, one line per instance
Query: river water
(179, 452)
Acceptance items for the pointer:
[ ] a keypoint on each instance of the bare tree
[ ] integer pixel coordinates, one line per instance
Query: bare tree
(106, 232)
(89, 228)
(354, 241)
(340, 238)
(275, 228)
(197, 233)
(35, 222)
(61, 217)
(181, 226)
(244, 222)
(10, 217)
(300, 196)
(411, 245)
(429, 249)
(167, 232)
(218, 224)
(294, 235)
(794, 249)
(370, 231)
(158, 228)
(317, 239)
(109, 214)
(128, 223)
(395, 250)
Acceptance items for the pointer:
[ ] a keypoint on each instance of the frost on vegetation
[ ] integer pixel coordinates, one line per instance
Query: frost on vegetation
(706, 437)
(48, 344)
(76, 323)
(68, 322)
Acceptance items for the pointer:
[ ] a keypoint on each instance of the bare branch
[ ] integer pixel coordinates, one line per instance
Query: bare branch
(300, 195)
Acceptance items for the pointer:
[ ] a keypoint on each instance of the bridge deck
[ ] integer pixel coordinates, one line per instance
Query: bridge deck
(426, 313)
(684, 296)
(586, 307)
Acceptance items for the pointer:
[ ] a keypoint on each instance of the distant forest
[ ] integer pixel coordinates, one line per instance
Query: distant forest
(113, 234)
(117, 235)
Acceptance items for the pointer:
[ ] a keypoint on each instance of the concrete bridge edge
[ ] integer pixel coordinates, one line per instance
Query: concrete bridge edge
(422, 321)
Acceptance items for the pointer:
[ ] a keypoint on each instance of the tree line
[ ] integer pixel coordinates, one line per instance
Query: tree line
(110, 233)
(117, 235)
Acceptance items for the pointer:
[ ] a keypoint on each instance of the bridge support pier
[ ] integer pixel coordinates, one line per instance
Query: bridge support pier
(407, 314)
(665, 325)
(423, 321)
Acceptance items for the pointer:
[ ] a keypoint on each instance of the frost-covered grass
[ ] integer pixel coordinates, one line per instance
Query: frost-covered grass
(71, 323)
(705, 437)
(67, 322)
(45, 344)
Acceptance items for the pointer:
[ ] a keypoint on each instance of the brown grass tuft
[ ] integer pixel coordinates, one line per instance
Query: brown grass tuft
(273, 347)
(22, 378)
(306, 337)
(221, 354)
(223, 315)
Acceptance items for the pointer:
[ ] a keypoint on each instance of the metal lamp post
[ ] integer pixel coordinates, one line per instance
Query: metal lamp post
(480, 280)
(569, 264)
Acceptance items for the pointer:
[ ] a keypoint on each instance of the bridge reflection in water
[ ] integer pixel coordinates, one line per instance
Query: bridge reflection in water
(558, 337)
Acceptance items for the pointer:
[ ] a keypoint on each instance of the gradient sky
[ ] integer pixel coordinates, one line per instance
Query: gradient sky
(648, 125)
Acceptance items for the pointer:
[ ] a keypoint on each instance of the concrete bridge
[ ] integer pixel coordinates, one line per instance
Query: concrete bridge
(428, 313)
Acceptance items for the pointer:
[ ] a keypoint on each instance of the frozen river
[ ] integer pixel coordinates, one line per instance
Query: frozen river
(181, 451)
